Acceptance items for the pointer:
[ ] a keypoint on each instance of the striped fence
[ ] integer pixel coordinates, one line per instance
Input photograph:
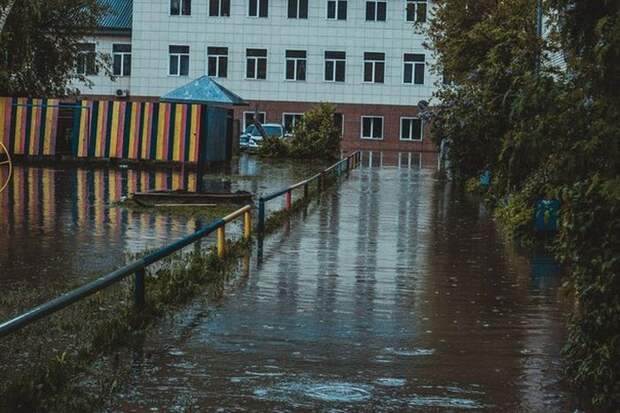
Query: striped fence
(29, 126)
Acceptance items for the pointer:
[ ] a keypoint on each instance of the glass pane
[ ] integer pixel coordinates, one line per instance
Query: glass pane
(116, 65)
(379, 71)
(253, 8)
(292, 9)
(421, 12)
(329, 70)
(91, 64)
(301, 70)
(81, 64)
(290, 69)
(250, 70)
(377, 128)
(419, 74)
(174, 7)
(223, 67)
(366, 127)
(212, 66)
(405, 129)
(342, 10)
(174, 65)
(248, 118)
(408, 78)
(367, 72)
(340, 71)
(262, 68)
(416, 129)
(331, 9)
(264, 6)
(187, 7)
(261, 117)
(127, 65)
(410, 11)
(225, 11)
(381, 11)
(303, 9)
(184, 65)
(370, 10)
(213, 7)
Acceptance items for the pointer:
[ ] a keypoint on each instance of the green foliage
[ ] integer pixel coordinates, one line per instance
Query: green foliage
(39, 45)
(316, 136)
(548, 134)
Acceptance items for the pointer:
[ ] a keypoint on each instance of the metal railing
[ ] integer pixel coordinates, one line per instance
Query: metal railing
(346, 164)
(137, 268)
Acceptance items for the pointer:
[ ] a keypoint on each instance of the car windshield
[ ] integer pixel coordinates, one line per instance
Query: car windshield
(273, 130)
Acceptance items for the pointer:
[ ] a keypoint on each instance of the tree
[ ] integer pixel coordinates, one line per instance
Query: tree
(40, 44)
(5, 10)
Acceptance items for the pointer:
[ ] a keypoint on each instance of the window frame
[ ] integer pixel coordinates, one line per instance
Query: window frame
(414, 63)
(335, 63)
(218, 62)
(372, 127)
(181, 4)
(298, 9)
(252, 112)
(87, 55)
(374, 68)
(220, 4)
(179, 57)
(337, 10)
(295, 116)
(258, 9)
(411, 118)
(342, 125)
(256, 60)
(123, 55)
(376, 11)
(296, 61)
(416, 4)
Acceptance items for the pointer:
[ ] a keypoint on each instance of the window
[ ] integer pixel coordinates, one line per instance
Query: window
(87, 59)
(217, 61)
(416, 11)
(290, 120)
(181, 7)
(258, 8)
(372, 127)
(256, 64)
(411, 129)
(376, 11)
(297, 9)
(339, 122)
(179, 60)
(414, 68)
(121, 59)
(248, 118)
(374, 67)
(219, 8)
(335, 66)
(337, 9)
(295, 65)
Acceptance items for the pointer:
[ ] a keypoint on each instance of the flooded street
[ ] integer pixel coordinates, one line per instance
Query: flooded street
(394, 293)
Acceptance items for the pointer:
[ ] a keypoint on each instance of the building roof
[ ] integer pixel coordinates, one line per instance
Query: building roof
(118, 17)
(203, 90)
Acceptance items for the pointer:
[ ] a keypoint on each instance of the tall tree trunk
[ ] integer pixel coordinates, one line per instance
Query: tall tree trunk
(4, 13)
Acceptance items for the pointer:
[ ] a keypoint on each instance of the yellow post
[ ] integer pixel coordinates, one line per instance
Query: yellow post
(221, 241)
(247, 225)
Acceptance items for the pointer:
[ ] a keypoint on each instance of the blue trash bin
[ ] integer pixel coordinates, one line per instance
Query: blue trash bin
(546, 218)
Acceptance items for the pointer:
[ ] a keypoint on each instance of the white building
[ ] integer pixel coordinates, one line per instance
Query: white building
(282, 56)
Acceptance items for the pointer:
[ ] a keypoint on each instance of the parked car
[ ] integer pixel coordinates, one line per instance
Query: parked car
(252, 137)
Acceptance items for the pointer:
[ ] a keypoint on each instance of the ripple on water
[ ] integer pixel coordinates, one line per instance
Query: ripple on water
(444, 402)
(390, 382)
(331, 391)
(410, 353)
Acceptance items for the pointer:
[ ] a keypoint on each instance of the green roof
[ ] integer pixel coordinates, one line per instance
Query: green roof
(118, 16)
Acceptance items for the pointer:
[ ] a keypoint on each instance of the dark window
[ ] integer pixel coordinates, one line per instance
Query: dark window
(414, 67)
(290, 120)
(121, 59)
(372, 127)
(335, 63)
(297, 9)
(376, 10)
(256, 63)
(258, 8)
(181, 7)
(339, 122)
(411, 129)
(87, 59)
(374, 67)
(217, 61)
(179, 60)
(296, 65)
(219, 8)
(416, 11)
(337, 9)
(249, 118)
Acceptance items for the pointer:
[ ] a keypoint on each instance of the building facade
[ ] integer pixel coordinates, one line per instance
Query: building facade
(281, 56)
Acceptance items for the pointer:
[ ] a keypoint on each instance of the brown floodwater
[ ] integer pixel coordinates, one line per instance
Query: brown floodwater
(393, 293)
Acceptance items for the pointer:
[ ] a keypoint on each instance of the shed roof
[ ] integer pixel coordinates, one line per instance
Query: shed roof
(118, 17)
(203, 90)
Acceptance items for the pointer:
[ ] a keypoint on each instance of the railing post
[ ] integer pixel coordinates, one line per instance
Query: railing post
(289, 200)
(247, 225)
(138, 289)
(261, 215)
(221, 241)
(306, 190)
